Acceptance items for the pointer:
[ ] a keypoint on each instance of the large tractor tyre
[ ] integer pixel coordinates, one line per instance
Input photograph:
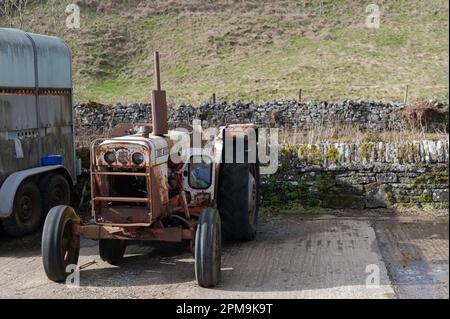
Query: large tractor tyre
(112, 250)
(208, 248)
(60, 243)
(26, 216)
(239, 199)
(55, 191)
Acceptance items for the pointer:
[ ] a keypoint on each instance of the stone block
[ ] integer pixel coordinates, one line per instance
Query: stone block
(378, 196)
(387, 178)
(440, 195)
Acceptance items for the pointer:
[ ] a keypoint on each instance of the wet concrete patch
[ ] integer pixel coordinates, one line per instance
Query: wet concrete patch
(416, 256)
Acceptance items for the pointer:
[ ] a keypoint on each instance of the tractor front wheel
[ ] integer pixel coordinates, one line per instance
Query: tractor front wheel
(60, 243)
(208, 248)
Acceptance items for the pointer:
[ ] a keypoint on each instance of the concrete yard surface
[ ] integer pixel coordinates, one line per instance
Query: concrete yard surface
(292, 257)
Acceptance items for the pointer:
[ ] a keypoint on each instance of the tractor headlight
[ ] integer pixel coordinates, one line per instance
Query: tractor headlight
(110, 157)
(138, 158)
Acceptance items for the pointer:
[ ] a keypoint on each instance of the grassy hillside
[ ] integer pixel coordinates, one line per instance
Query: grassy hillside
(252, 50)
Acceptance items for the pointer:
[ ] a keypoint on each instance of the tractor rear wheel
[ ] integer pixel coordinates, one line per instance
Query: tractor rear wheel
(60, 244)
(239, 200)
(112, 250)
(208, 248)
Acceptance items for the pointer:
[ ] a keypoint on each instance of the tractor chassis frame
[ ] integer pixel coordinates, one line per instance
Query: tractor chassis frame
(165, 234)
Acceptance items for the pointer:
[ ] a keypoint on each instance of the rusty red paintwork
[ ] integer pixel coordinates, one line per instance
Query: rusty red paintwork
(157, 204)
(171, 234)
(159, 104)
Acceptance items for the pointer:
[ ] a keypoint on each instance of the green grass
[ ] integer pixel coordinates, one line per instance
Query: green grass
(112, 88)
(258, 51)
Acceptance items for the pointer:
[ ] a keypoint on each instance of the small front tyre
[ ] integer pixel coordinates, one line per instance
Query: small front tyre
(208, 248)
(60, 243)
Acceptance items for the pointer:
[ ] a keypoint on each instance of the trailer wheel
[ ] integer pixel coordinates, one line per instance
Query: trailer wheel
(208, 248)
(239, 199)
(112, 250)
(55, 191)
(26, 216)
(60, 244)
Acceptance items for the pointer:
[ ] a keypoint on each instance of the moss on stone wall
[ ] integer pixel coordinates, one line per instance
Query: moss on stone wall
(366, 150)
(390, 198)
(289, 149)
(333, 154)
(431, 179)
(324, 184)
(407, 153)
(311, 154)
(425, 198)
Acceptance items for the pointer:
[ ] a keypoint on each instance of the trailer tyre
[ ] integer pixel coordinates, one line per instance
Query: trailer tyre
(112, 250)
(208, 248)
(55, 191)
(239, 198)
(26, 216)
(60, 244)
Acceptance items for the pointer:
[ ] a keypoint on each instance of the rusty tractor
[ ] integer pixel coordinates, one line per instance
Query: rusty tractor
(149, 187)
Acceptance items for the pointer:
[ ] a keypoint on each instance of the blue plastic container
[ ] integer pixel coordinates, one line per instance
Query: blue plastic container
(52, 160)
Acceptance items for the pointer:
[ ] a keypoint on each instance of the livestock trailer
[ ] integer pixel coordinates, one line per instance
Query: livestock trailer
(37, 159)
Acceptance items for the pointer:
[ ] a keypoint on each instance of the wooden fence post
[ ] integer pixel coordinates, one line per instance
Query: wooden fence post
(405, 100)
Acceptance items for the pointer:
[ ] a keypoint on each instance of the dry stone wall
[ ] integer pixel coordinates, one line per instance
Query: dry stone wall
(371, 115)
(366, 175)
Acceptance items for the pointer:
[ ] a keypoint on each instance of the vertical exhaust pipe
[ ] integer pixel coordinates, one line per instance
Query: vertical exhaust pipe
(159, 104)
